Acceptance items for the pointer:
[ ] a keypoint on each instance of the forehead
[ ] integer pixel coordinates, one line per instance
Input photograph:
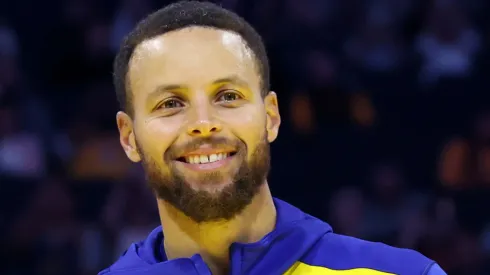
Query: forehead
(193, 57)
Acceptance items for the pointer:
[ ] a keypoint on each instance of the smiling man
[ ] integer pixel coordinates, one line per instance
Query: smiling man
(193, 83)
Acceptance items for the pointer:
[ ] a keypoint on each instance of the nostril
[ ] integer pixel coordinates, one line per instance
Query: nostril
(203, 129)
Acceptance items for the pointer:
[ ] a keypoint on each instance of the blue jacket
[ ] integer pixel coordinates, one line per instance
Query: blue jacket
(299, 245)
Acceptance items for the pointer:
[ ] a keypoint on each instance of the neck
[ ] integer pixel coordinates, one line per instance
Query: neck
(184, 237)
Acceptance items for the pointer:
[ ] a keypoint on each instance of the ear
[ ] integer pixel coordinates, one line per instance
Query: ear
(127, 137)
(273, 116)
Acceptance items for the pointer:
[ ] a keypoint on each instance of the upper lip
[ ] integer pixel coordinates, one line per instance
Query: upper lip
(207, 150)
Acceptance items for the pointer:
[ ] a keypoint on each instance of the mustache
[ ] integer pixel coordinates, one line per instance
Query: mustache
(195, 144)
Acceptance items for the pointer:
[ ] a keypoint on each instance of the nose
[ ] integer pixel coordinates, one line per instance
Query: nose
(204, 128)
(203, 123)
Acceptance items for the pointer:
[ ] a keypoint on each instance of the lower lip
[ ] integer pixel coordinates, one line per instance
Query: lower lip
(208, 166)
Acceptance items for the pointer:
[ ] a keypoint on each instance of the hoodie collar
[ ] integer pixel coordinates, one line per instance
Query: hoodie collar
(295, 232)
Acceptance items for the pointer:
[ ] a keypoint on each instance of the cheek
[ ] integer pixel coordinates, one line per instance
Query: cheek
(248, 125)
(157, 136)
(250, 117)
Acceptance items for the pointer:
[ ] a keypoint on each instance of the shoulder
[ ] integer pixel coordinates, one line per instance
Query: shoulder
(341, 252)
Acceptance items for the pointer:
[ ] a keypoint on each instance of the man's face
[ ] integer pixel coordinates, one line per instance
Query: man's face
(201, 127)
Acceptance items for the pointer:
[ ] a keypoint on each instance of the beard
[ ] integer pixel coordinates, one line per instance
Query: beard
(204, 205)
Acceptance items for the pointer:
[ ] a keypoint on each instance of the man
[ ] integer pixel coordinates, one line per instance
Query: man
(193, 79)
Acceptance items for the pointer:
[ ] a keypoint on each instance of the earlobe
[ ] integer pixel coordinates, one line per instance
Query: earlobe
(132, 151)
(127, 137)
(273, 117)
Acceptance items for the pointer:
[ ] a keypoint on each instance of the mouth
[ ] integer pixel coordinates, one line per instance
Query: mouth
(207, 158)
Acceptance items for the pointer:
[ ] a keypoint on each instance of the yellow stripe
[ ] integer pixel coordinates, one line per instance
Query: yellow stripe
(300, 268)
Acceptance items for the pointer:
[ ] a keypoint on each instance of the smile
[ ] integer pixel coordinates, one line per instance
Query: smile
(206, 161)
(200, 159)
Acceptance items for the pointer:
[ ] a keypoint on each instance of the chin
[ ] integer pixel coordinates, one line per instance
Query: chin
(210, 187)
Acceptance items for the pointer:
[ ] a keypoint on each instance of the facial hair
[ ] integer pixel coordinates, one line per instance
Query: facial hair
(202, 205)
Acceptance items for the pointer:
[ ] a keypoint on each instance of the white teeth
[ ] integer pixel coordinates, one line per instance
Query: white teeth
(220, 156)
(213, 158)
(206, 159)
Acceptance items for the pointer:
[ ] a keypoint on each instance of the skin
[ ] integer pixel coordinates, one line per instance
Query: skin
(191, 85)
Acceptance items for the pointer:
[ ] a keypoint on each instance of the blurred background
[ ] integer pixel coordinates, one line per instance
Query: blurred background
(385, 135)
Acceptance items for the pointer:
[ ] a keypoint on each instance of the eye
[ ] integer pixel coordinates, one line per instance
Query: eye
(171, 104)
(228, 96)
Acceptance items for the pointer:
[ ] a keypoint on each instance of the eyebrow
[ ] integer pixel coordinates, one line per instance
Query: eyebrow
(234, 79)
(162, 89)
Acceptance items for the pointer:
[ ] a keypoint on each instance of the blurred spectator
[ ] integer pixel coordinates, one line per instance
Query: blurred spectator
(448, 43)
(100, 158)
(437, 240)
(376, 46)
(362, 110)
(453, 170)
(392, 203)
(96, 148)
(322, 101)
(123, 212)
(21, 153)
(465, 161)
(302, 114)
(46, 232)
(468, 256)
(346, 211)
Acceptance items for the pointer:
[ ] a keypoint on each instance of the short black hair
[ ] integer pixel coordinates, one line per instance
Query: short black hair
(177, 16)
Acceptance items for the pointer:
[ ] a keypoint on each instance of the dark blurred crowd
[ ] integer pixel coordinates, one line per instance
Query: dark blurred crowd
(385, 135)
